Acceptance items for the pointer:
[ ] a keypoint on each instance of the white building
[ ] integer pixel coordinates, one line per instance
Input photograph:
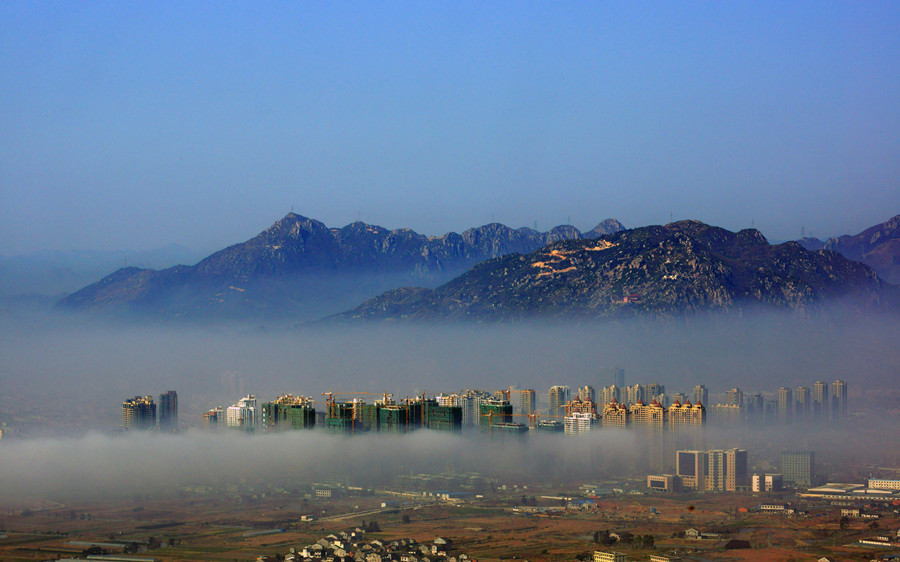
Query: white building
(881, 484)
(579, 423)
(609, 556)
(244, 414)
(767, 482)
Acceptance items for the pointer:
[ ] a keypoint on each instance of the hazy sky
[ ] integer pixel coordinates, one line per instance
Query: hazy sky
(136, 124)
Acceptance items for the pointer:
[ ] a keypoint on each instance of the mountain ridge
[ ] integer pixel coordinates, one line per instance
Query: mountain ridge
(680, 268)
(297, 266)
(877, 246)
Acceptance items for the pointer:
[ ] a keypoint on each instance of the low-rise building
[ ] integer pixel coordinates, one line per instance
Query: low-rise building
(609, 556)
(669, 483)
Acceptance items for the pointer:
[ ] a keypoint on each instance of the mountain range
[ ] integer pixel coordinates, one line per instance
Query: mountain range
(681, 268)
(878, 247)
(301, 269)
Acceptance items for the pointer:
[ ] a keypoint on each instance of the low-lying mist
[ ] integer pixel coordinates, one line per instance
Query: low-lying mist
(149, 464)
(82, 370)
(63, 380)
(98, 465)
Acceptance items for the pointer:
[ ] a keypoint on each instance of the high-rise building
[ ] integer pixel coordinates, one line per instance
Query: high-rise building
(798, 467)
(213, 418)
(715, 471)
(803, 404)
(648, 415)
(244, 415)
(139, 413)
(288, 412)
(691, 466)
(839, 400)
(469, 401)
(687, 414)
(579, 422)
(612, 376)
(701, 395)
(493, 412)
(785, 405)
(441, 418)
(653, 391)
(527, 401)
(608, 394)
(557, 398)
(587, 393)
(727, 415)
(634, 394)
(616, 415)
(734, 397)
(462, 401)
(767, 483)
(755, 407)
(821, 407)
(737, 472)
(579, 406)
(651, 418)
(168, 411)
(724, 470)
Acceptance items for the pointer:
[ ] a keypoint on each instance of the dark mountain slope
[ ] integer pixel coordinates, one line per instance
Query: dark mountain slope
(684, 267)
(878, 247)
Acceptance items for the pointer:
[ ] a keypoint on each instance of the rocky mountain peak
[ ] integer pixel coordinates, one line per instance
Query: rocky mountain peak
(607, 226)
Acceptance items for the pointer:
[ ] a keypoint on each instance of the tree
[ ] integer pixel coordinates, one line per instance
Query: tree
(605, 538)
(844, 522)
(373, 527)
(648, 541)
(406, 519)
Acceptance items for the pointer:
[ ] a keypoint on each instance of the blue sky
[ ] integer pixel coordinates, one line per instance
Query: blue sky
(137, 124)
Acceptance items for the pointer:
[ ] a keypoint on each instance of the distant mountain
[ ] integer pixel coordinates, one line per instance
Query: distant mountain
(684, 267)
(811, 244)
(878, 247)
(54, 273)
(301, 269)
